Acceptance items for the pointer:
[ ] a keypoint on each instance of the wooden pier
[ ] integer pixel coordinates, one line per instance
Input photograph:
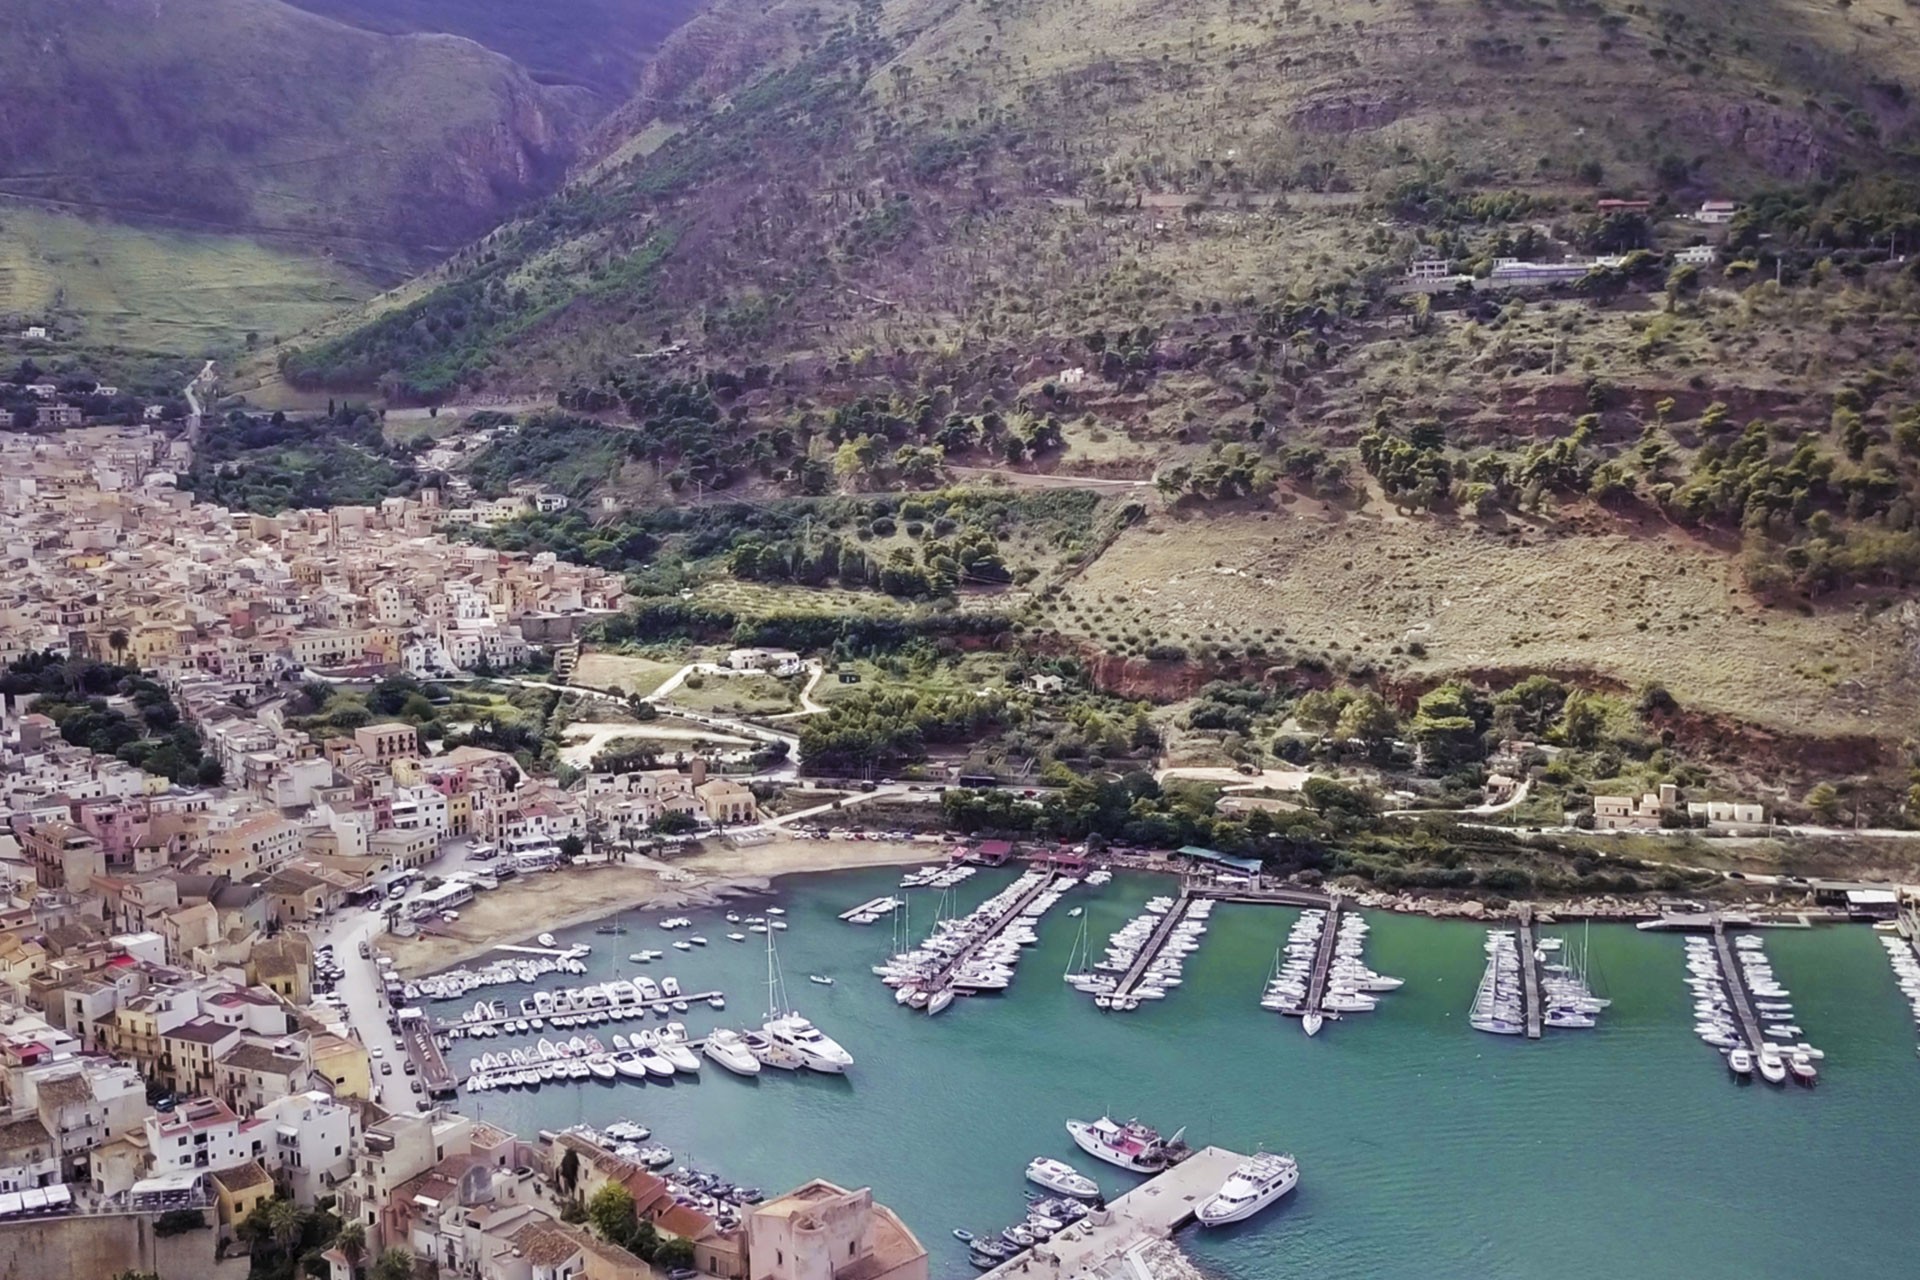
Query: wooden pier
(663, 1005)
(1322, 963)
(1735, 978)
(1528, 942)
(944, 977)
(877, 907)
(1099, 1244)
(1156, 942)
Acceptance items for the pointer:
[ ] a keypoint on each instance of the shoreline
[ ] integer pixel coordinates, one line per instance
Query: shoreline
(563, 899)
(579, 895)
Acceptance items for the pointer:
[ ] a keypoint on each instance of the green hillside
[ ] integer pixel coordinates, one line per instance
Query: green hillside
(254, 115)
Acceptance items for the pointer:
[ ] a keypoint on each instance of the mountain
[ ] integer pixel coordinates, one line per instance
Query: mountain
(255, 116)
(845, 175)
(870, 244)
(603, 44)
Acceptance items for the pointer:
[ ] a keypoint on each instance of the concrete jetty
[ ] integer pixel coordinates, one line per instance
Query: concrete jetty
(1735, 977)
(416, 1037)
(1530, 1011)
(1156, 942)
(1100, 1243)
(1322, 961)
(944, 978)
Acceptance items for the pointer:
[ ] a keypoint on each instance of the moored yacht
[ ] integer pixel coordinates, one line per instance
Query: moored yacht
(1058, 1175)
(816, 1050)
(1250, 1188)
(730, 1051)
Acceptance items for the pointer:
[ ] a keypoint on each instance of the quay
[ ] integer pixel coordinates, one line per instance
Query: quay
(942, 979)
(416, 1037)
(1322, 962)
(1735, 978)
(1265, 897)
(1100, 1243)
(662, 1005)
(1529, 973)
(1156, 942)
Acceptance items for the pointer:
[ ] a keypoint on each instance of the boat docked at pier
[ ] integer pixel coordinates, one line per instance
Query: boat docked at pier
(1132, 1146)
(1257, 1183)
(1058, 1175)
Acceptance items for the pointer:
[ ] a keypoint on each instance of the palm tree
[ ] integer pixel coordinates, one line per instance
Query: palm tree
(351, 1241)
(117, 641)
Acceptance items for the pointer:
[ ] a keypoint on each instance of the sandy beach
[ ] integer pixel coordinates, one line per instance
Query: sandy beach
(533, 904)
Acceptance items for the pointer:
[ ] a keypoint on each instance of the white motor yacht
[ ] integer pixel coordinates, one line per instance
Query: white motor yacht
(730, 1051)
(1250, 1188)
(1058, 1175)
(817, 1050)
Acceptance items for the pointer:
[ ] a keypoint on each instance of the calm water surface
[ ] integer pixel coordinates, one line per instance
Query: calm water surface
(1426, 1149)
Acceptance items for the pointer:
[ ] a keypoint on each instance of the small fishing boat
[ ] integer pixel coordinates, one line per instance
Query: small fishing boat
(822, 979)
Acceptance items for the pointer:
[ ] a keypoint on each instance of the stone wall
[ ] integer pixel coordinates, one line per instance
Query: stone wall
(100, 1246)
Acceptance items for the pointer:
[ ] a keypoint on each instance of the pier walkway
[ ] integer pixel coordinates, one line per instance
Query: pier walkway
(1322, 962)
(1152, 1211)
(1156, 941)
(1268, 897)
(1735, 978)
(944, 976)
(663, 1005)
(1530, 1011)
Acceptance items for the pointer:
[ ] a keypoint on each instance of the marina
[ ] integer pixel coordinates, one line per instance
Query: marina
(1463, 1110)
(873, 909)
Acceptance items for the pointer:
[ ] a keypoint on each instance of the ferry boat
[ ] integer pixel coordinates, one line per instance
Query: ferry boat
(1058, 1175)
(1133, 1146)
(1250, 1188)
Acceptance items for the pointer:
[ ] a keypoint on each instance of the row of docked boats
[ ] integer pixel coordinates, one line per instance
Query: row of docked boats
(595, 1004)
(975, 952)
(1566, 996)
(1496, 1001)
(1906, 970)
(649, 1053)
(939, 877)
(710, 1193)
(1047, 1216)
(454, 984)
(1351, 986)
(1779, 1056)
(1178, 938)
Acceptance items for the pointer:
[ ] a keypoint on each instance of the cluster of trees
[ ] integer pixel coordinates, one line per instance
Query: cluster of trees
(271, 463)
(614, 1219)
(286, 1241)
(1414, 468)
(1227, 471)
(844, 634)
(74, 693)
(876, 727)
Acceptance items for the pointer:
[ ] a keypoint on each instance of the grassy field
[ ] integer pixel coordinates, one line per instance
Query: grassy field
(105, 284)
(1433, 596)
(628, 673)
(745, 695)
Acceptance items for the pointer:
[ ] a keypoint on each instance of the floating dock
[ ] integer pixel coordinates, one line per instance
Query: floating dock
(1155, 944)
(1529, 944)
(1734, 975)
(551, 953)
(1099, 1243)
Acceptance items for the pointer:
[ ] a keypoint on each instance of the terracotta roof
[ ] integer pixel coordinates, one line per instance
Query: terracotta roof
(544, 1244)
(240, 1177)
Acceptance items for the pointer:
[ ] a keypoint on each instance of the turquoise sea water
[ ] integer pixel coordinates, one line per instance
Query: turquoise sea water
(1426, 1149)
